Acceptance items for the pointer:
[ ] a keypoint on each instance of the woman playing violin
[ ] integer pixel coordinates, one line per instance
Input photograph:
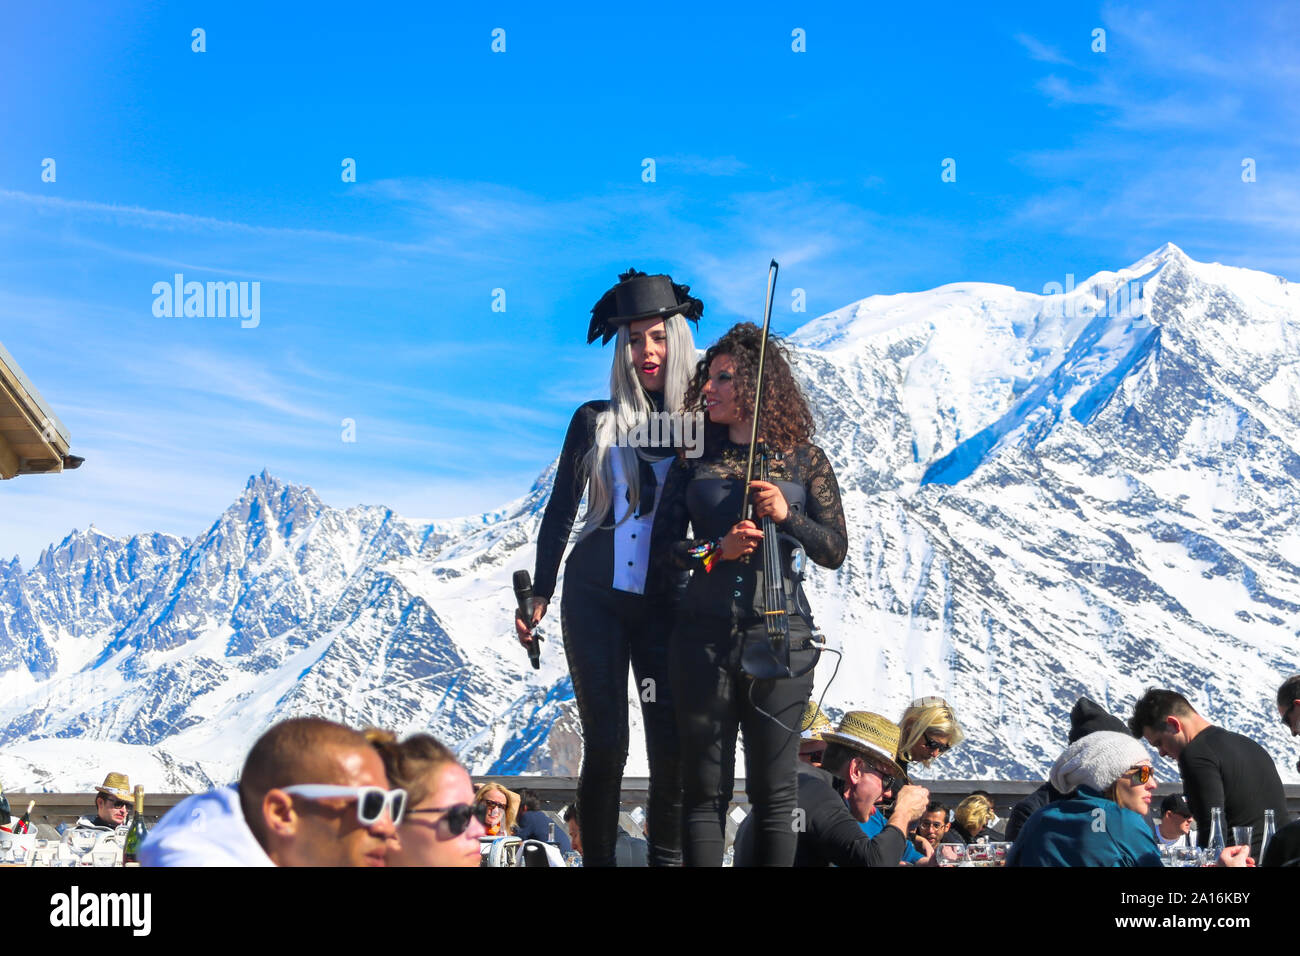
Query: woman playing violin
(725, 599)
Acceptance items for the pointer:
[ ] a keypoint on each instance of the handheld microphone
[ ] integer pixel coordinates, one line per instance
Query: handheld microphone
(524, 595)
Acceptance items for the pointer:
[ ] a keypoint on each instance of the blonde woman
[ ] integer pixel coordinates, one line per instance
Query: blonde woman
(971, 817)
(617, 603)
(502, 808)
(930, 729)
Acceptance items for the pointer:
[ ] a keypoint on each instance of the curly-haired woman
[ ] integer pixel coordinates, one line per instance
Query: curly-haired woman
(713, 696)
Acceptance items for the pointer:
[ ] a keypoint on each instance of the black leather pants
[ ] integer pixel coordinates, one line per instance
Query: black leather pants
(715, 699)
(604, 630)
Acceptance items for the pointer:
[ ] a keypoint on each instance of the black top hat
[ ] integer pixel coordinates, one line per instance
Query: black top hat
(639, 296)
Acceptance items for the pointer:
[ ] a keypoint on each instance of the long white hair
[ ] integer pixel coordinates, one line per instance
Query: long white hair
(628, 406)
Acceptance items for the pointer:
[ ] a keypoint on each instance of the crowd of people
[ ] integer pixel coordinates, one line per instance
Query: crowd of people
(316, 793)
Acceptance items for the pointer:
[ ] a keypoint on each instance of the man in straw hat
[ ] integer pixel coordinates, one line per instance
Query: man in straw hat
(857, 771)
(113, 802)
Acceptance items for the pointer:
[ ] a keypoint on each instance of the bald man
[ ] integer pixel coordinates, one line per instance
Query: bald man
(312, 793)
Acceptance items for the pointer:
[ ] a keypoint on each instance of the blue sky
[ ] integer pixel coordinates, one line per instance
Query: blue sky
(522, 171)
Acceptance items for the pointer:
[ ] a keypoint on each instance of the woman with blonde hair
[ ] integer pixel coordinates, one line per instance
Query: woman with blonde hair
(444, 820)
(502, 808)
(971, 817)
(930, 729)
(617, 608)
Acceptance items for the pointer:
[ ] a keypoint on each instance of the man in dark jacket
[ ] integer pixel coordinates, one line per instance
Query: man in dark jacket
(857, 772)
(1219, 768)
(1086, 717)
(113, 802)
(533, 824)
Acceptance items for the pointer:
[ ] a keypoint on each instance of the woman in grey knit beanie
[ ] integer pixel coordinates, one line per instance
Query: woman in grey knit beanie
(1102, 821)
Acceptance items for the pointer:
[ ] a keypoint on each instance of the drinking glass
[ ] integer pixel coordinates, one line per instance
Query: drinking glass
(1241, 835)
(950, 854)
(105, 854)
(80, 842)
(979, 854)
(1187, 856)
(44, 853)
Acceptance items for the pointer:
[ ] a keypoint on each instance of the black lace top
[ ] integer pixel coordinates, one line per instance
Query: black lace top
(706, 495)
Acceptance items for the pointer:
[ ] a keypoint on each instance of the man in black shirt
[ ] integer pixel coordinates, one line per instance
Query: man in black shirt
(1219, 768)
(857, 772)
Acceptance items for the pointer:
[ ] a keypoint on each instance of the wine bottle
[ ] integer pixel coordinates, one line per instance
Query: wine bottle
(5, 816)
(136, 834)
(25, 824)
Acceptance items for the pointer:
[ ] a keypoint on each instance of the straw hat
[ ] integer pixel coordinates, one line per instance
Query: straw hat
(116, 785)
(814, 723)
(869, 734)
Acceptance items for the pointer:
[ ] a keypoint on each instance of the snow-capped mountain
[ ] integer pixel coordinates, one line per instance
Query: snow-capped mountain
(1047, 495)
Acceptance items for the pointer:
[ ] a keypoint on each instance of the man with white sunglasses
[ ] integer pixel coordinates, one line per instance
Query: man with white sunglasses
(312, 793)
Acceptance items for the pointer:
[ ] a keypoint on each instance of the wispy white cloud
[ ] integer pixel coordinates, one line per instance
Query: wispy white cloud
(1041, 51)
(1161, 40)
(163, 219)
(702, 165)
(1186, 110)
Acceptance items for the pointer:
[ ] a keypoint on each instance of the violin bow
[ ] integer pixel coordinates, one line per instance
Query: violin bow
(758, 386)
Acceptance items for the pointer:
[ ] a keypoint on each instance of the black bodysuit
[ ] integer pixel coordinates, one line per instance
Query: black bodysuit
(714, 697)
(616, 608)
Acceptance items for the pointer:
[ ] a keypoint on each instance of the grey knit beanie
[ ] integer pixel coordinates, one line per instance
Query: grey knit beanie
(1096, 761)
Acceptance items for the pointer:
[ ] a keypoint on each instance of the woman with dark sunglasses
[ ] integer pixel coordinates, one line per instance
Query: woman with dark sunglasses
(501, 806)
(443, 821)
(930, 729)
(1104, 821)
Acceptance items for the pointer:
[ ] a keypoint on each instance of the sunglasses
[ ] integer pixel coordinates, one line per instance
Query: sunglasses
(457, 818)
(116, 804)
(1286, 718)
(887, 780)
(932, 744)
(371, 801)
(1140, 776)
(493, 805)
